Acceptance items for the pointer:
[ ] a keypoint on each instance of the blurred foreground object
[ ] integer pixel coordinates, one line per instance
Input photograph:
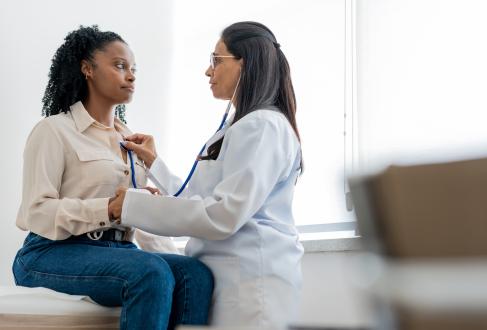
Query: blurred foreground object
(426, 226)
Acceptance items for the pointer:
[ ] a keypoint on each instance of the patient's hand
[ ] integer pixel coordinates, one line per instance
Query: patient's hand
(143, 145)
(115, 204)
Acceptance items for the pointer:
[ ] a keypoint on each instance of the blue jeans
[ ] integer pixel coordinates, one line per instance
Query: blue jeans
(156, 291)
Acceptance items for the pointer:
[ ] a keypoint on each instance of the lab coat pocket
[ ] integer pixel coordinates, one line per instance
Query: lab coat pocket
(226, 272)
(96, 167)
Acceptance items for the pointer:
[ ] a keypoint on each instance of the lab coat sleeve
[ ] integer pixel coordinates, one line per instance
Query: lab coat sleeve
(162, 177)
(42, 210)
(155, 243)
(255, 157)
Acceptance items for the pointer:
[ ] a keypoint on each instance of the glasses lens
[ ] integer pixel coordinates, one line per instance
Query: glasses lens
(212, 60)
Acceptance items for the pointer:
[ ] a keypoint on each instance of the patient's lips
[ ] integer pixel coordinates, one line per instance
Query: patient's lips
(130, 88)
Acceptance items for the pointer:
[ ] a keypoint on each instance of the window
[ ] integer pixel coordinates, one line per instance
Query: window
(316, 37)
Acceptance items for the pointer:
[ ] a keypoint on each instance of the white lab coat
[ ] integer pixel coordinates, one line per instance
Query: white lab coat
(237, 209)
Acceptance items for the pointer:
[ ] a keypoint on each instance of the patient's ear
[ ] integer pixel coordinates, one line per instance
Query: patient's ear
(86, 68)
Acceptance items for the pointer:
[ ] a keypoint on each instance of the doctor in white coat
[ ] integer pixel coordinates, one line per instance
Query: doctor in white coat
(237, 205)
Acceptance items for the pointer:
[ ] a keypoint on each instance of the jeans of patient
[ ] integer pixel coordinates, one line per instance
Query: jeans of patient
(156, 291)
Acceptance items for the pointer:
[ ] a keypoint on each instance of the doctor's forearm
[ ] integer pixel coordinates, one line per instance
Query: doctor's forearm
(149, 160)
(161, 215)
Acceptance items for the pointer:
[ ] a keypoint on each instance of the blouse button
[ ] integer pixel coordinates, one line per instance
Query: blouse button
(126, 172)
(102, 223)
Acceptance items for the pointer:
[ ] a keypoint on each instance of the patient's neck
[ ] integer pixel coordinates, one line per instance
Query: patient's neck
(102, 112)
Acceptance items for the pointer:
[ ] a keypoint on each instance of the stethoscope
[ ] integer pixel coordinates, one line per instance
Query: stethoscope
(131, 158)
(193, 168)
(132, 167)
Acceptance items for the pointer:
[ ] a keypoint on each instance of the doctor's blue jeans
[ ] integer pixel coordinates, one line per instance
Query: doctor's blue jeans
(156, 291)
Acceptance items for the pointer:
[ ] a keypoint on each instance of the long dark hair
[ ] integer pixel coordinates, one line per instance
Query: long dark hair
(67, 84)
(265, 80)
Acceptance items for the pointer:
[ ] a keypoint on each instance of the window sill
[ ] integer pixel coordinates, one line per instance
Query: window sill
(318, 242)
(331, 244)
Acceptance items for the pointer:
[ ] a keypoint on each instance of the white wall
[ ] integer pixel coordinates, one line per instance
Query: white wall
(30, 32)
(332, 295)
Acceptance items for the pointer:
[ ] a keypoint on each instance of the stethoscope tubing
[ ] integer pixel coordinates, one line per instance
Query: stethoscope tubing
(193, 168)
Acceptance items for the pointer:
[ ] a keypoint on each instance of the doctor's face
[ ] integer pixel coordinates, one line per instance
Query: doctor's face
(224, 71)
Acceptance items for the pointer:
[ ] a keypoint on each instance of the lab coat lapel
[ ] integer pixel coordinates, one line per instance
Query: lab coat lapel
(218, 135)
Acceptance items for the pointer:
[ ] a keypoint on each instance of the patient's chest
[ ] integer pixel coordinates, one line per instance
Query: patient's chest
(95, 166)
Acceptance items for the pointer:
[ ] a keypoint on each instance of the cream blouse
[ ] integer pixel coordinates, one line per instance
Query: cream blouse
(72, 166)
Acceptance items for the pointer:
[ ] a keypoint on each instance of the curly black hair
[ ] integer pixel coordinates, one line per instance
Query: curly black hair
(67, 84)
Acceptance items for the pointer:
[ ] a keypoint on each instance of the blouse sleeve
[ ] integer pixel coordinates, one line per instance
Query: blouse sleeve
(42, 211)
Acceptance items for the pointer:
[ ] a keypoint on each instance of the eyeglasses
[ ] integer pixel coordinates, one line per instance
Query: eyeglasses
(213, 56)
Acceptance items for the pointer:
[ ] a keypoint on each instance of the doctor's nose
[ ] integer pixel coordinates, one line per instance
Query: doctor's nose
(209, 71)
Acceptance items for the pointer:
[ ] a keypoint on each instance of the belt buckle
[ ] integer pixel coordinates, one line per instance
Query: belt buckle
(95, 235)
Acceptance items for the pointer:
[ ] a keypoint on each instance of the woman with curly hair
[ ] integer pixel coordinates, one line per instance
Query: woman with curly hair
(73, 163)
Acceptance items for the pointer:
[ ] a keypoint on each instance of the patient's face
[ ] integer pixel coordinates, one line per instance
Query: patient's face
(113, 74)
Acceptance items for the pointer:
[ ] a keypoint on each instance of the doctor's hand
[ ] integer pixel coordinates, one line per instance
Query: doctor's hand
(143, 145)
(115, 204)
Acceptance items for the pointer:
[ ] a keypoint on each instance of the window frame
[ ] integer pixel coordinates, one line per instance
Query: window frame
(351, 158)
